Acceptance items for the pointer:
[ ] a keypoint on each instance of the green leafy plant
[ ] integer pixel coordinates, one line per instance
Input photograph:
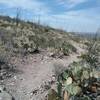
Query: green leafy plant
(93, 54)
(67, 48)
(77, 80)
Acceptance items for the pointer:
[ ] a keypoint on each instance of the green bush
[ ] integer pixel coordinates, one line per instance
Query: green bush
(29, 37)
(5, 65)
(81, 76)
(77, 80)
(24, 43)
(93, 54)
(67, 48)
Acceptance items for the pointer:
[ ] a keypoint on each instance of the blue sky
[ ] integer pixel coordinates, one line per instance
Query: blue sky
(71, 15)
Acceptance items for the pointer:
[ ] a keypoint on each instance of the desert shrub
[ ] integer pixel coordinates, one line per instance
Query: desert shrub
(67, 48)
(87, 43)
(2, 53)
(29, 37)
(5, 65)
(61, 47)
(58, 69)
(81, 80)
(93, 54)
(24, 43)
(78, 82)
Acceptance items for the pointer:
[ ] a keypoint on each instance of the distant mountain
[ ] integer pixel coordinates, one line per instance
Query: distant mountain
(88, 35)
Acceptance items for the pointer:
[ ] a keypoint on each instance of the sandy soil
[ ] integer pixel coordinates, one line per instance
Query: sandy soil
(34, 74)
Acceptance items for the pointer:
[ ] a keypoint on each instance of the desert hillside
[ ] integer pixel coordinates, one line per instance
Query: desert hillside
(33, 56)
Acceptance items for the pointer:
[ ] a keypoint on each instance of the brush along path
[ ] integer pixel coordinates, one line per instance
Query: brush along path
(36, 75)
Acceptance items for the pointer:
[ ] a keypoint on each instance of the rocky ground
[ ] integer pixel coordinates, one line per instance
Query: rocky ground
(35, 76)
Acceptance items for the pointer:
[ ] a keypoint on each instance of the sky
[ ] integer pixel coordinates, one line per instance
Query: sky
(70, 15)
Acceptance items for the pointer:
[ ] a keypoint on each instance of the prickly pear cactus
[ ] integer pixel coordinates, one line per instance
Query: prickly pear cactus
(77, 81)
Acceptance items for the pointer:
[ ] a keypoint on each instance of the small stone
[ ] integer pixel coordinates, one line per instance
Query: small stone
(93, 89)
(98, 98)
(5, 96)
(1, 89)
(15, 77)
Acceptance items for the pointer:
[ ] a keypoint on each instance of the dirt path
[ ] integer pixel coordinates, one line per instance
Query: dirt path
(35, 73)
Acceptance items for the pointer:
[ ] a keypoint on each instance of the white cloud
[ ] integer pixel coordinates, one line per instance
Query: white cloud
(85, 20)
(86, 14)
(33, 5)
(70, 3)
